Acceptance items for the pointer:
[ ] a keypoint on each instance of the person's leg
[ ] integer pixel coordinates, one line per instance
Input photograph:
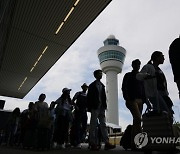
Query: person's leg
(135, 108)
(104, 131)
(140, 105)
(76, 132)
(62, 130)
(158, 103)
(93, 125)
(155, 103)
(57, 126)
(66, 131)
(162, 104)
(103, 127)
(84, 126)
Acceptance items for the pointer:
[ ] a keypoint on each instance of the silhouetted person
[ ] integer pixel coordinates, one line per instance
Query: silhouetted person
(97, 106)
(63, 119)
(43, 124)
(155, 83)
(80, 116)
(53, 118)
(174, 57)
(28, 126)
(133, 93)
(12, 128)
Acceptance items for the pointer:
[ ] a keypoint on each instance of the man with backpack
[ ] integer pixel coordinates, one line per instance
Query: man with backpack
(133, 93)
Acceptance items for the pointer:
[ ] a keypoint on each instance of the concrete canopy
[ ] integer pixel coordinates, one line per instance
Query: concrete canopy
(30, 43)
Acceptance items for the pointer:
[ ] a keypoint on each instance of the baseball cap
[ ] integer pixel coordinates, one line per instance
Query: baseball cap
(66, 89)
(84, 85)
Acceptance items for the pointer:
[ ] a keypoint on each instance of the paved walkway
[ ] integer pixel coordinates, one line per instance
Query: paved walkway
(118, 149)
(11, 150)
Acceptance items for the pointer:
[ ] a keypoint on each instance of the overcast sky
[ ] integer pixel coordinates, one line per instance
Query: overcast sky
(142, 26)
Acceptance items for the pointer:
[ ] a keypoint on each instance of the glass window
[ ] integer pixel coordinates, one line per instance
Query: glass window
(111, 55)
(111, 42)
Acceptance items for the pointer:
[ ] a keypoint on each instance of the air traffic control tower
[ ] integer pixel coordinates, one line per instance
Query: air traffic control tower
(111, 57)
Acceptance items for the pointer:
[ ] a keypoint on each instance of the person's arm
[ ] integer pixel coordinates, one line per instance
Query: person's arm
(59, 103)
(125, 87)
(74, 100)
(75, 97)
(144, 74)
(89, 97)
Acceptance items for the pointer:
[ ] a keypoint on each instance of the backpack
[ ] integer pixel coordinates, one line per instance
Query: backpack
(125, 141)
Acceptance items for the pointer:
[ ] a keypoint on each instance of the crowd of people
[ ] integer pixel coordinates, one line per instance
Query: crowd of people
(149, 85)
(64, 123)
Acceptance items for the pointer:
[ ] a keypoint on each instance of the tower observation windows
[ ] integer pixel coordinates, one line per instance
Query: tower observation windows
(111, 42)
(111, 55)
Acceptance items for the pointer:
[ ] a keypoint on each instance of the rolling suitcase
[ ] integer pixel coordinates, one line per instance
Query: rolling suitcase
(158, 127)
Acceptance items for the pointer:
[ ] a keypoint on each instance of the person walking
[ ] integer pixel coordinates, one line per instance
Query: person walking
(155, 83)
(96, 101)
(134, 95)
(174, 56)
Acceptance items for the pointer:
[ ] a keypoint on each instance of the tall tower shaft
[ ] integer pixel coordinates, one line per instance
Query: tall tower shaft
(112, 97)
(111, 57)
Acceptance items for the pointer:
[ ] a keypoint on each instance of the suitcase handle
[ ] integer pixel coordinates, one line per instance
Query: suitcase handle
(151, 112)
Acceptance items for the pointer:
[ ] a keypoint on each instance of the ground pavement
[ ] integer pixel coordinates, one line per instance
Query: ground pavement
(118, 149)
